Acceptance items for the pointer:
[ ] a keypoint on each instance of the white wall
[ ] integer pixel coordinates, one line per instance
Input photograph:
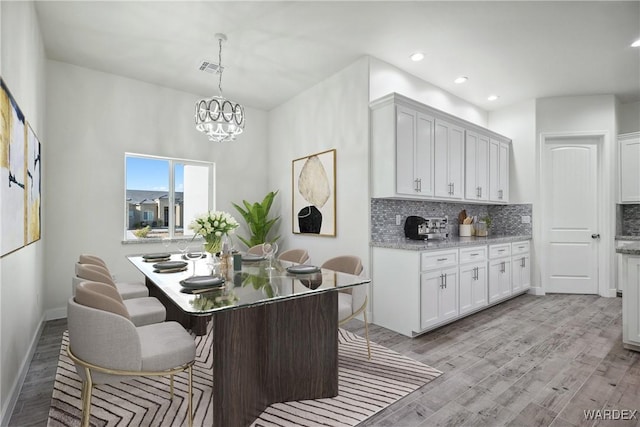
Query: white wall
(386, 78)
(518, 122)
(22, 66)
(331, 114)
(93, 119)
(629, 117)
(586, 114)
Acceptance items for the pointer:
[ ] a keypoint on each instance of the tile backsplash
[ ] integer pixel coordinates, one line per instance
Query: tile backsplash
(629, 223)
(505, 219)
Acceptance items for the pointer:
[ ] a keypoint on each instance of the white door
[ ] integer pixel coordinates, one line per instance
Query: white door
(570, 217)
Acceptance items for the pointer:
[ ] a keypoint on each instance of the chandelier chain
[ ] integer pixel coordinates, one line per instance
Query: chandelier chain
(220, 65)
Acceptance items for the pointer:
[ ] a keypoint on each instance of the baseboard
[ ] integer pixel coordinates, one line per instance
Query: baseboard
(14, 393)
(537, 290)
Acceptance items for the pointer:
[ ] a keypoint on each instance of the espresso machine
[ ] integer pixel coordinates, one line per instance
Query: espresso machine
(419, 228)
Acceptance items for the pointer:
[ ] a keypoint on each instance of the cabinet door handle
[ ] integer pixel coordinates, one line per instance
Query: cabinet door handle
(522, 262)
(499, 194)
(480, 191)
(503, 267)
(445, 280)
(442, 281)
(453, 188)
(420, 185)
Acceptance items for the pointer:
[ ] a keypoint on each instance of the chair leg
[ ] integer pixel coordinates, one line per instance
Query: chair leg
(190, 395)
(171, 386)
(366, 333)
(87, 386)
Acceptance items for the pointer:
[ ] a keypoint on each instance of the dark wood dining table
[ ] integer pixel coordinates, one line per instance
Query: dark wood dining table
(275, 333)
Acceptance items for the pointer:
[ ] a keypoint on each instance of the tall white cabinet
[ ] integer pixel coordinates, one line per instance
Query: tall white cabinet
(476, 167)
(419, 152)
(449, 160)
(499, 153)
(629, 161)
(414, 152)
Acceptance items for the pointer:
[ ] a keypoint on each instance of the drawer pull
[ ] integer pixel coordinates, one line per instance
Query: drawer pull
(474, 254)
(442, 259)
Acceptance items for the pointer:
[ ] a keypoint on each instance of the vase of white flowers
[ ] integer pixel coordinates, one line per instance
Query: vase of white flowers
(213, 226)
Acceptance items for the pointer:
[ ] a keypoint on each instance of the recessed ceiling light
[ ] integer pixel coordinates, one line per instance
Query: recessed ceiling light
(461, 79)
(636, 43)
(493, 97)
(418, 56)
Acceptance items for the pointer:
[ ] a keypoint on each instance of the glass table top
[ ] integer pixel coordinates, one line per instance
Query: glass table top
(254, 284)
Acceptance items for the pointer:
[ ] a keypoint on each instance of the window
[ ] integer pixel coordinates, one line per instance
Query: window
(163, 195)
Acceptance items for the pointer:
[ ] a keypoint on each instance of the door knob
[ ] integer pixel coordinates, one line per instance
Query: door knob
(595, 236)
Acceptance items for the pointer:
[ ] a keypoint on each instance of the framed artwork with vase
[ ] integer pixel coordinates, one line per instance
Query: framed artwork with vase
(313, 182)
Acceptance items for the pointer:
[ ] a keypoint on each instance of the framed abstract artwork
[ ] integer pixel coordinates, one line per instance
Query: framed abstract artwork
(20, 177)
(12, 172)
(33, 182)
(313, 200)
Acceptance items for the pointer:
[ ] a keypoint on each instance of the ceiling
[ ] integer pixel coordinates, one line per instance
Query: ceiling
(515, 49)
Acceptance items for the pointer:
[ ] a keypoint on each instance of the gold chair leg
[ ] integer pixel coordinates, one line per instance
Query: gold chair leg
(171, 386)
(366, 333)
(87, 387)
(190, 395)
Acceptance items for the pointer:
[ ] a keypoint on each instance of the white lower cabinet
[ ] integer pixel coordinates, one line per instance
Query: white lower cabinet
(416, 291)
(473, 287)
(499, 271)
(438, 296)
(631, 303)
(499, 279)
(520, 273)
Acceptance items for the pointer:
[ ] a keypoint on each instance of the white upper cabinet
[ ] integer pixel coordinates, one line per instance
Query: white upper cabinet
(449, 160)
(499, 171)
(629, 147)
(414, 152)
(476, 167)
(419, 152)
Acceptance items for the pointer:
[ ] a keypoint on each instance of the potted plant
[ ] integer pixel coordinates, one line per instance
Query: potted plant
(256, 216)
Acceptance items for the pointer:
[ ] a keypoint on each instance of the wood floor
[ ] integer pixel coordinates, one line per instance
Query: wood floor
(531, 361)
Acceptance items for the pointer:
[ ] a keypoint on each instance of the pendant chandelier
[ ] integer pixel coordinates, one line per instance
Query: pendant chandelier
(217, 117)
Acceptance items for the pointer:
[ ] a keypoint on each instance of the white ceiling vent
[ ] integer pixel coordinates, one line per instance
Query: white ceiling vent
(209, 67)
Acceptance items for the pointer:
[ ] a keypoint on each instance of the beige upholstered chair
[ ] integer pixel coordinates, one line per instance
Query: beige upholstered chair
(352, 301)
(142, 311)
(107, 347)
(256, 250)
(295, 255)
(126, 289)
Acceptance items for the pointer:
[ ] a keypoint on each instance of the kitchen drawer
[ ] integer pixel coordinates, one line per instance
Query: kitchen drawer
(499, 251)
(520, 247)
(473, 254)
(438, 259)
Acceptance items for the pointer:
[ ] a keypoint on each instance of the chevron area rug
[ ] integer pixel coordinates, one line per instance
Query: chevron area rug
(365, 388)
